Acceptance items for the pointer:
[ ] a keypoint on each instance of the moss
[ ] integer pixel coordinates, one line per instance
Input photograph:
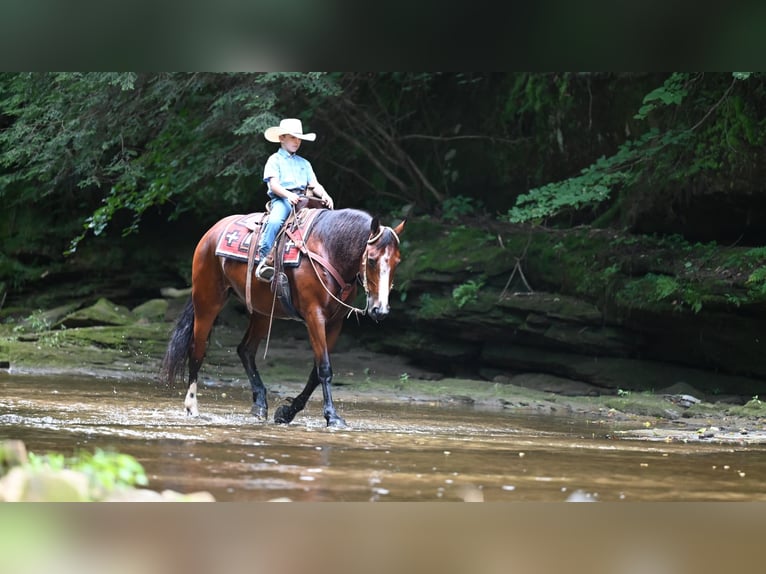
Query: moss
(755, 407)
(154, 309)
(432, 307)
(639, 403)
(449, 249)
(103, 312)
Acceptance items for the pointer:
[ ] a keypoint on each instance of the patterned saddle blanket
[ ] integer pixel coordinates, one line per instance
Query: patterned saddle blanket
(244, 231)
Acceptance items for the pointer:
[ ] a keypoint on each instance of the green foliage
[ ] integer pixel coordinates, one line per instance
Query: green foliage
(664, 286)
(756, 281)
(650, 288)
(701, 125)
(748, 259)
(432, 307)
(15, 272)
(596, 182)
(655, 288)
(106, 471)
(673, 91)
(115, 142)
(37, 322)
(456, 207)
(466, 293)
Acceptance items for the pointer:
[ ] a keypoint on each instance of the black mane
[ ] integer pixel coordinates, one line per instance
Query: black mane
(344, 234)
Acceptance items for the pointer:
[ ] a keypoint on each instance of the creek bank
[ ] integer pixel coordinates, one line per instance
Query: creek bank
(113, 341)
(596, 306)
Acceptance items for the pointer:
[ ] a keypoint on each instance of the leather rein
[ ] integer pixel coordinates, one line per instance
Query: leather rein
(361, 276)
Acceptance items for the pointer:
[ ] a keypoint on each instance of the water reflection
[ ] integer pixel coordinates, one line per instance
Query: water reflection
(394, 451)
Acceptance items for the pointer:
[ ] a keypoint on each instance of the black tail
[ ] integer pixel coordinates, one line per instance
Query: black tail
(177, 353)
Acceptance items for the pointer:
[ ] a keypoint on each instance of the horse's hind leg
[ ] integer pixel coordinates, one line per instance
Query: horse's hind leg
(196, 356)
(246, 350)
(208, 301)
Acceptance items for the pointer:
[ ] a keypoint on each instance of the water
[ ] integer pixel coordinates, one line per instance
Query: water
(392, 452)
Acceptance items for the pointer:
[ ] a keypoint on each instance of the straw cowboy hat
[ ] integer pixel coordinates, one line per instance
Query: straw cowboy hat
(289, 126)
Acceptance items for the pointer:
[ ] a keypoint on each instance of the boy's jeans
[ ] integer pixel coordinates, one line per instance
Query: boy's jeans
(280, 209)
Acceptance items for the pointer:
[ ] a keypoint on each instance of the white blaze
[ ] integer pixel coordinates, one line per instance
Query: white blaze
(384, 280)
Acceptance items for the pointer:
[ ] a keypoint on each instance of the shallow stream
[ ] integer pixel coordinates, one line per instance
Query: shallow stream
(417, 451)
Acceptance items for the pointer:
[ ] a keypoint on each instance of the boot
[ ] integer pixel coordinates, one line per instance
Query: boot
(265, 270)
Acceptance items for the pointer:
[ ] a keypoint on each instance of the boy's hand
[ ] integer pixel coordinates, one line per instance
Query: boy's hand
(293, 198)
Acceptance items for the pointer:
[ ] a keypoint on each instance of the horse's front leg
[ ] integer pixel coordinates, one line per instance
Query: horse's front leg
(321, 341)
(286, 413)
(325, 340)
(324, 371)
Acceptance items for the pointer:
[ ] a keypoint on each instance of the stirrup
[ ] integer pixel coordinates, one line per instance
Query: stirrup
(264, 272)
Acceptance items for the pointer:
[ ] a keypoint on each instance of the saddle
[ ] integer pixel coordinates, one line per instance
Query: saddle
(240, 239)
(289, 245)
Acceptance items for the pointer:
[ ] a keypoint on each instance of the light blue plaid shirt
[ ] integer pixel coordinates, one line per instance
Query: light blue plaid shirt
(292, 171)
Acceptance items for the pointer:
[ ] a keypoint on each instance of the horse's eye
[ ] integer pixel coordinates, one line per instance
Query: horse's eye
(372, 262)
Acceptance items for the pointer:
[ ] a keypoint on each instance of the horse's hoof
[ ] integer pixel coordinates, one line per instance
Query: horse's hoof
(336, 422)
(260, 413)
(283, 415)
(192, 412)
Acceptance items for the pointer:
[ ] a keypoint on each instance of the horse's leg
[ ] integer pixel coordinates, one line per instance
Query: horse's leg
(286, 413)
(246, 350)
(324, 371)
(206, 309)
(323, 339)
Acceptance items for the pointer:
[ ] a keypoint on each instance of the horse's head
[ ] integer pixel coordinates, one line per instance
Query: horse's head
(379, 263)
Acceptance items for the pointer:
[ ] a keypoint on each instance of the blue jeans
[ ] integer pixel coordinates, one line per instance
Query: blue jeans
(280, 209)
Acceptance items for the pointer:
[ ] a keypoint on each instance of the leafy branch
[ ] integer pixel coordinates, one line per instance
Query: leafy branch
(633, 160)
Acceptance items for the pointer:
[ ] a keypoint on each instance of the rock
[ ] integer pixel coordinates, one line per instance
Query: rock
(152, 310)
(43, 485)
(146, 495)
(683, 401)
(103, 312)
(12, 453)
(47, 319)
(173, 293)
(554, 384)
(680, 388)
(709, 432)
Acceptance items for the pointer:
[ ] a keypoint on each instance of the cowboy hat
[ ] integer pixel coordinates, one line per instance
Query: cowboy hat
(289, 126)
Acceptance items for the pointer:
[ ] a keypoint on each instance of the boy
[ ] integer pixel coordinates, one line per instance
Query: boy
(288, 176)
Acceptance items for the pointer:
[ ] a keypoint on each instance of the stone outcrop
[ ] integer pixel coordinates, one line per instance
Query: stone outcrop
(575, 328)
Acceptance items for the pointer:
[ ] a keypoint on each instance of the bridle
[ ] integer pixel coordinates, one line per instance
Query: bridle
(372, 240)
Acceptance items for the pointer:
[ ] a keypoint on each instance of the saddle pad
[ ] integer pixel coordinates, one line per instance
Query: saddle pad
(234, 242)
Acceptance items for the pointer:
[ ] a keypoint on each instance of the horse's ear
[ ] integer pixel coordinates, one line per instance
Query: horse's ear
(399, 228)
(374, 226)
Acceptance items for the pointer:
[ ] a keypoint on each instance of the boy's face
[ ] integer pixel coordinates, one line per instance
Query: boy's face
(290, 143)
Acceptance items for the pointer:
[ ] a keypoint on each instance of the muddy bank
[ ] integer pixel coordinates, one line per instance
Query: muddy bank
(111, 341)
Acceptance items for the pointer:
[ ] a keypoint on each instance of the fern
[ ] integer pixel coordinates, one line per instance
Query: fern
(596, 182)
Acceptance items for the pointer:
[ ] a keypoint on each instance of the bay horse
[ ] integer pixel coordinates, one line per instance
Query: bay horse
(345, 248)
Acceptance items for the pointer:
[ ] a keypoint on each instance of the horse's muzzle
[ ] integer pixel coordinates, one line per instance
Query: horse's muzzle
(378, 313)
